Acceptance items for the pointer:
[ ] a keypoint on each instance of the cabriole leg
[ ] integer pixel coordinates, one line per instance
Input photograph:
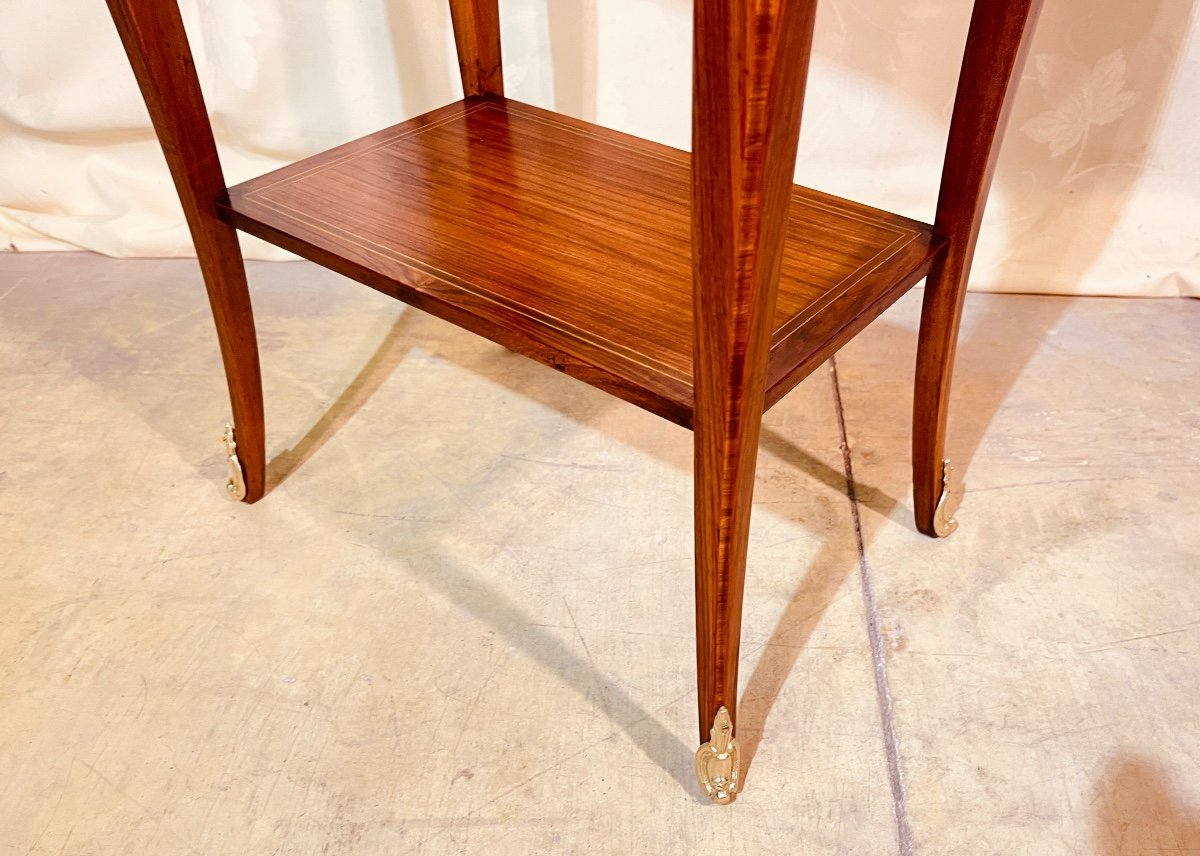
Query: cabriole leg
(997, 42)
(940, 316)
(153, 35)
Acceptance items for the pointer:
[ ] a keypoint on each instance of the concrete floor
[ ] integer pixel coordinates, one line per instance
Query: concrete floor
(461, 622)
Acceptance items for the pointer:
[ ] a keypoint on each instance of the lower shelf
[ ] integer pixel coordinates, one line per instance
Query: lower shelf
(569, 243)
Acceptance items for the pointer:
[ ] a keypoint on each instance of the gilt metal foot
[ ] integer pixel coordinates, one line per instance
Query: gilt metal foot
(235, 489)
(943, 521)
(717, 762)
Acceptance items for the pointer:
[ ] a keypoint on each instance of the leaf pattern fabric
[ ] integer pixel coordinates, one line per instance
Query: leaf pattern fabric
(1096, 188)
(1079, 98)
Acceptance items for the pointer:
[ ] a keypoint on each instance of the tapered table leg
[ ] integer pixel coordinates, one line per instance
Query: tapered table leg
(750, 67)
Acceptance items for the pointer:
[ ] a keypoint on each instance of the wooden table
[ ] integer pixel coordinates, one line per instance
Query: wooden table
(701, 287)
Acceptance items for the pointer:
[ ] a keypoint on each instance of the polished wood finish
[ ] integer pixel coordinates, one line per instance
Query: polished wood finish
(701, 288)
(997, 42)
(567, 242)
(750, 64)
(477, 40)
(153, 36)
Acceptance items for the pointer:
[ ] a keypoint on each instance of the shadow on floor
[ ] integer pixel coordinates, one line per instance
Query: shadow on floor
(825, 575)
(490, 605)
(1137, 812)
(991, 357)
(383, 361)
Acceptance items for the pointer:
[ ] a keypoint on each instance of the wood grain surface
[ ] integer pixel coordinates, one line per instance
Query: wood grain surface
(701, 287)
(997, 42)
(477, 43)
(568, 242)
(158, 50)
(749, 74)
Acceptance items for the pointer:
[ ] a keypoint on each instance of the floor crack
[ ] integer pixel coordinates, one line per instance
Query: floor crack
(882, 689)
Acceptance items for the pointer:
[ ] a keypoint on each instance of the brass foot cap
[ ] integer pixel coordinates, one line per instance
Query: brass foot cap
(235, 488)
(717, 762)
(943, 521)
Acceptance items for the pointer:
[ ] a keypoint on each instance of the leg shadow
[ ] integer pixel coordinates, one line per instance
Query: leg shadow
(493, 607)
(378, 368)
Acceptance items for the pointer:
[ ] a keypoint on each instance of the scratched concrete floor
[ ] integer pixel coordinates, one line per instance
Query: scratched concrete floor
(461, 620)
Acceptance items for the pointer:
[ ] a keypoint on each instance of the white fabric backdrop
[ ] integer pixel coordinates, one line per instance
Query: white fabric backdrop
(1098, 189)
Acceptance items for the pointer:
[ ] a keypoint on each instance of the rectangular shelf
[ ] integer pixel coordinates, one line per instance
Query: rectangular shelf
(569, 243)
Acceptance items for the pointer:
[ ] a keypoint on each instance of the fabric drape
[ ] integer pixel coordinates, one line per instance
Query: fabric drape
(1097, 189)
